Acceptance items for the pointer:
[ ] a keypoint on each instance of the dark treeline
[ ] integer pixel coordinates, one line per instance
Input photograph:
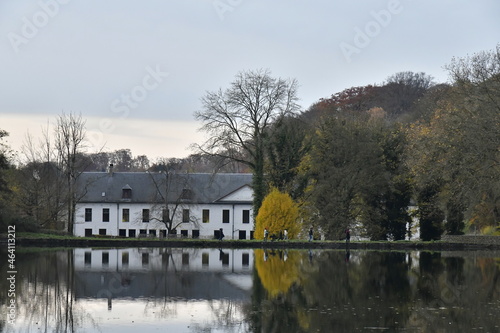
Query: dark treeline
(371, 158)
(124, 161)
(378, 150)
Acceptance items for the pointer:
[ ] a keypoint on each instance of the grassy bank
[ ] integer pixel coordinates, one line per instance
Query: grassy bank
(54, 240)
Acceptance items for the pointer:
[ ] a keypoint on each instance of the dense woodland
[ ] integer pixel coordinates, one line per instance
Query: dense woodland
(358, 159)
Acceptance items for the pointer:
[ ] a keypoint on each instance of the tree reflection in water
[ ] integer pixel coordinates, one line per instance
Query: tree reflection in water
(288, 291)
(389, 291)
(45, 299)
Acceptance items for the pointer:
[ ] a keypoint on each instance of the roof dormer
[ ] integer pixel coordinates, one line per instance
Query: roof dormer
(127, 192)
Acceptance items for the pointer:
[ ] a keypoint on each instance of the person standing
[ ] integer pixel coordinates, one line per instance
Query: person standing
(311, 234)
(221, 234)
(285, 234)
(347, 236)
(266, 234)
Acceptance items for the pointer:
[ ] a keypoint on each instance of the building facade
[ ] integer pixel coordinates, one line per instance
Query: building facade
(145, 204)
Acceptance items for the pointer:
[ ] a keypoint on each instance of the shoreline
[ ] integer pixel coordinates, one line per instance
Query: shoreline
(443, 245)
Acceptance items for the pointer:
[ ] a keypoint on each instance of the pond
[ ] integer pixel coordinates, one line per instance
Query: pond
(228, 290)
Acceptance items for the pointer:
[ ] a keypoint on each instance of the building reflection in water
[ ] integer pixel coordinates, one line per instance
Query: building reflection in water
(163, 273)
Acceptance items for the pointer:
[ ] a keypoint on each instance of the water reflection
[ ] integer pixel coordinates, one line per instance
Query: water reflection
(335, 291)
(212, 290)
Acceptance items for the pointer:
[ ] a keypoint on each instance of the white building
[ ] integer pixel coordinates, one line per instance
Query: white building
(140, 204)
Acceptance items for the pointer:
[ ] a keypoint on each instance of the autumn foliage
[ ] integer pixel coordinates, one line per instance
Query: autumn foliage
(277, 213)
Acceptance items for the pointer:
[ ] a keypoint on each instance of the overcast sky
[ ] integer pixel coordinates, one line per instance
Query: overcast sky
(136, 70)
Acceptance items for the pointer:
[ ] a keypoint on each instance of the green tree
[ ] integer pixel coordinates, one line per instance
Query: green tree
(423, 160)
(346, 163)
(475, 122)
(277, 213)
(398, 195)
(454, 152)
(239, 118)
(286, 146)
(430, 215)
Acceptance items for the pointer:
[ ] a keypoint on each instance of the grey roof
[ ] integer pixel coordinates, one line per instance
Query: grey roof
(152, 187)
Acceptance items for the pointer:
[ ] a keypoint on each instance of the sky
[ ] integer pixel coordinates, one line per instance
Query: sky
(136, 70)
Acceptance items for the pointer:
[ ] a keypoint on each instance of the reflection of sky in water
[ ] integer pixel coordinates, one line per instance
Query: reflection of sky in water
(141, 316)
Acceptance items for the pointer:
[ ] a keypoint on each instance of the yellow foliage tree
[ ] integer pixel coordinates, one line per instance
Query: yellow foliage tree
(277, 270)
(277, 213)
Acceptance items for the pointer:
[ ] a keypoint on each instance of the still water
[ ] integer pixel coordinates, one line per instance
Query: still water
(209, 290)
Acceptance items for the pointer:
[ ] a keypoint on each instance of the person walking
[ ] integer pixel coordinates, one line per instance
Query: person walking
(311, 234)
(221, 234)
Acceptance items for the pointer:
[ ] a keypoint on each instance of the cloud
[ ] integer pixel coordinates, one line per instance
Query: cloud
(153, 138)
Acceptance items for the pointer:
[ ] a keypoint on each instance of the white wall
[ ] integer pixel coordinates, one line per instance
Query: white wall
(231, 229)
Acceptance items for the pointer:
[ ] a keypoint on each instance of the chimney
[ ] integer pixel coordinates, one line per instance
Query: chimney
(111, 169)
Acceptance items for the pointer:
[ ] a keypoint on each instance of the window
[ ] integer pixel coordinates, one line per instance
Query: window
(225, 216)
(125, 258)
(205, 216)
(122, 232)
(88, 258)
(125, 215)
(105, 258)
(245, 259)
(166, 215)
(126, 193)
(184, 233)
(88, 214)
(224, 257)
(105, 215)
(185, 215)
(246, 216)
(102, 232)
(131, 233)
(145, 259)
(196, 233)
(145, 215)
(205, 259)
(88, 232)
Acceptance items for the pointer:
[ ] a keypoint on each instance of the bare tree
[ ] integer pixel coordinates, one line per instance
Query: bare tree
(238, 118)
(402, 90)
(70, 143)
(5, 197)
(41, 189)
(172, 194)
